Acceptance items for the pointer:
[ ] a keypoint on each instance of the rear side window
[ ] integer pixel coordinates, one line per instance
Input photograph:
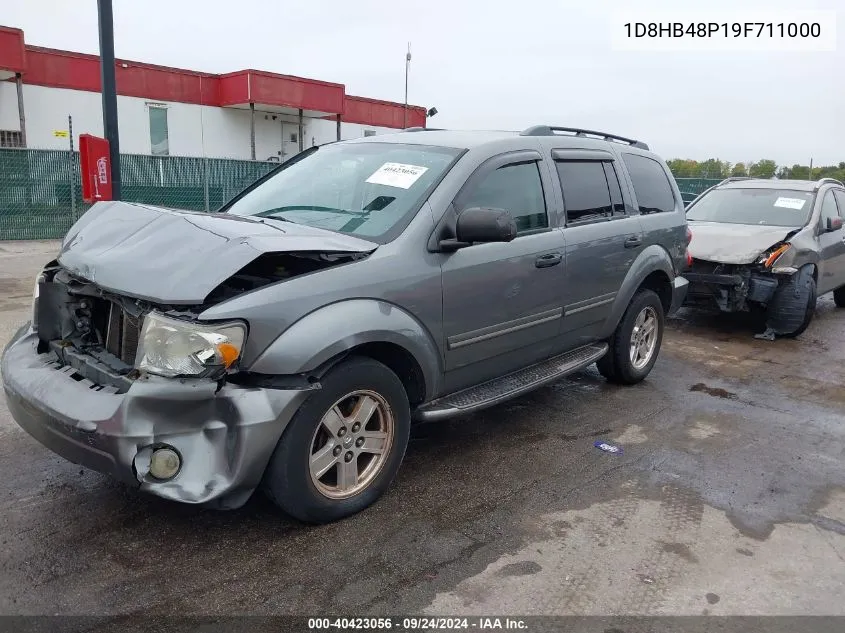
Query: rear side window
(585, 192)
(517, 189)
(651, 185)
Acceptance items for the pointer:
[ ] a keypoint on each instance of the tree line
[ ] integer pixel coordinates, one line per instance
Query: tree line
(765, 168)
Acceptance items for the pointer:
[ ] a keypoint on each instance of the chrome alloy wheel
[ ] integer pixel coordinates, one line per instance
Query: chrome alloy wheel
(351, 444)
(644, 337)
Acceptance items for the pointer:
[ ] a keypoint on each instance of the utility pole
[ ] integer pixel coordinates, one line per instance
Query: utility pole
(109, 91)
(407, 68)
(810, 174)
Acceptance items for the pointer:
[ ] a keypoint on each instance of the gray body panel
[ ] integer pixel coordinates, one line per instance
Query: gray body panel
(465, 317)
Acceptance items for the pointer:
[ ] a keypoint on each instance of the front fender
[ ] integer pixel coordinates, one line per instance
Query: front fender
(337, 328)
(652, 258)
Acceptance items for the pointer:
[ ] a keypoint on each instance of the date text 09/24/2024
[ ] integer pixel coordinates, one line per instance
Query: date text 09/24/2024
(421, 623)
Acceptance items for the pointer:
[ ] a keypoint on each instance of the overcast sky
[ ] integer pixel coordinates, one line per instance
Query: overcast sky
(496, 64)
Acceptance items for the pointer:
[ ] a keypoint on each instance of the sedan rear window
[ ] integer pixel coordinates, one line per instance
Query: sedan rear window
(765, 207)
(365, 189)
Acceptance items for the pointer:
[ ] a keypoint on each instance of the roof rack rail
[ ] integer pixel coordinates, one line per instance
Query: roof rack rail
(549, 130)
(736, 178)
(832, 181)
(422, 129)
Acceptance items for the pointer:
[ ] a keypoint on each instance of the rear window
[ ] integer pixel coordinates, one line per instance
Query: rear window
(651, 185)
(765, 207)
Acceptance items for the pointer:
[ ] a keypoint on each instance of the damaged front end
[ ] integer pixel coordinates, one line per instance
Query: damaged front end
(118, 372)
(737, 287)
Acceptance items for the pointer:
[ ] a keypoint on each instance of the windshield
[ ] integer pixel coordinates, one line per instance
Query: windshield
(766, 207)
(365, 189)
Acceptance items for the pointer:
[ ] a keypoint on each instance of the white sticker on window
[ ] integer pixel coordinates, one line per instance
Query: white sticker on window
(790, 203)
(397, 175)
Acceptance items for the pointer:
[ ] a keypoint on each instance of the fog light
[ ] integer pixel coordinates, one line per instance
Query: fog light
(165, 463)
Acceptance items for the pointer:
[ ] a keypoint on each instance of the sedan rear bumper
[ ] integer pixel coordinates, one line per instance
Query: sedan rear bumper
(224, 435)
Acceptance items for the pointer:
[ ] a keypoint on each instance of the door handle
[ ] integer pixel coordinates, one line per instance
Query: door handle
(548, 260)
(633, 241)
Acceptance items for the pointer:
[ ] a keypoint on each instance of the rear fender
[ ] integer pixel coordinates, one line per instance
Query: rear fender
(653, 258)
(313, 342)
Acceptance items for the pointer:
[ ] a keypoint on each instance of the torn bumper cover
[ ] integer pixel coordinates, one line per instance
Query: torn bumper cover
(225, 437)
(731, 292)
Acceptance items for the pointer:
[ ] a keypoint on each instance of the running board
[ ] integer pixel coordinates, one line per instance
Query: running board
(500, 389)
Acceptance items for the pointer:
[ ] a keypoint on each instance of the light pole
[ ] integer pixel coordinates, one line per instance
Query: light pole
(407, 67)
(106, 27)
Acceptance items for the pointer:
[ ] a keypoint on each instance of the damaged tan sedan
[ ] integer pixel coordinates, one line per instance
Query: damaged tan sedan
(771, 246)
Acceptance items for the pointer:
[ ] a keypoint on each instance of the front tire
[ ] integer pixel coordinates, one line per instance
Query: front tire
(344, 446)
(636, 342)
(839, 297)
(792, 308)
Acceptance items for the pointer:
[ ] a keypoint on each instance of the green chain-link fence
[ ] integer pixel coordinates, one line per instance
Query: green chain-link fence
(691, 187)
(41, 196)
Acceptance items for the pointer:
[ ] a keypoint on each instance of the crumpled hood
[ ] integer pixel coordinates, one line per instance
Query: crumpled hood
(179, 257)
(733, 243)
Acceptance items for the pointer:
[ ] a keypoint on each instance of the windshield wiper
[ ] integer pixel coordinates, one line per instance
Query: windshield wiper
(271, 213)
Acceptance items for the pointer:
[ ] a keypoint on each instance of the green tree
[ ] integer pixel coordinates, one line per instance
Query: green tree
(683, 167)
(763, 168)
(739, 170)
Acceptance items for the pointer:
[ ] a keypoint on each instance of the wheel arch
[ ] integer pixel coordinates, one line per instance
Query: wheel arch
(653, 269)
(361, 327)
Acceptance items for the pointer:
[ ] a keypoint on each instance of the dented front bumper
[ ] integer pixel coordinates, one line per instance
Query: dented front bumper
(225, 436)
(731, 292)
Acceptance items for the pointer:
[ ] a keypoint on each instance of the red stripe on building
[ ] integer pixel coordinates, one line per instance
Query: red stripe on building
(381, 113)
(12, 50)
(78, 71)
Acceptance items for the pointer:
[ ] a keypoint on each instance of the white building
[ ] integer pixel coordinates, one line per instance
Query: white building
(248, 114)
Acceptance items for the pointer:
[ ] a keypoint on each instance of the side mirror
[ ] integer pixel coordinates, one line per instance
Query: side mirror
(481, 224)
(833, 224)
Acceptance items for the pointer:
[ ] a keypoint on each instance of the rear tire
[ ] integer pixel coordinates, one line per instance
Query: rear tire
(839, 297)
(635, 344)
(344, 446)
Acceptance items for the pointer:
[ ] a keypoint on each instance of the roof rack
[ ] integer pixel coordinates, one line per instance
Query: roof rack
(825, 181)
(423, 129)
(735, 179)
(549, 130)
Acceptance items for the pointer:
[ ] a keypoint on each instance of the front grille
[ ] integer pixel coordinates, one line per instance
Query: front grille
(122, 333)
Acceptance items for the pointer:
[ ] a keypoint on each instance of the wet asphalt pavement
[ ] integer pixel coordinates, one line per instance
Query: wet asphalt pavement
(729, 498)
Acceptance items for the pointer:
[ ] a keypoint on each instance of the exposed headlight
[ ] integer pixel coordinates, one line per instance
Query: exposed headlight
(771, 256)
(170, 347)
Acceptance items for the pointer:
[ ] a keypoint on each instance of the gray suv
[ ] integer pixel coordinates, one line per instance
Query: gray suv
(289, 340)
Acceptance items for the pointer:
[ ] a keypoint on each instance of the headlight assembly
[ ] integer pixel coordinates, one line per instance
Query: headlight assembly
(170, 347)
(771, 256)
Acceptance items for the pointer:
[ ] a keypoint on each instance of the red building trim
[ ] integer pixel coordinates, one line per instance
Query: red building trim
(79, 71)
(12, 50)
(260, 87)
(381, 113)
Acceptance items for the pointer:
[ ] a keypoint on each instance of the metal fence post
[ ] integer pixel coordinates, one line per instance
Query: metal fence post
(205, 178)
(72, 170)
